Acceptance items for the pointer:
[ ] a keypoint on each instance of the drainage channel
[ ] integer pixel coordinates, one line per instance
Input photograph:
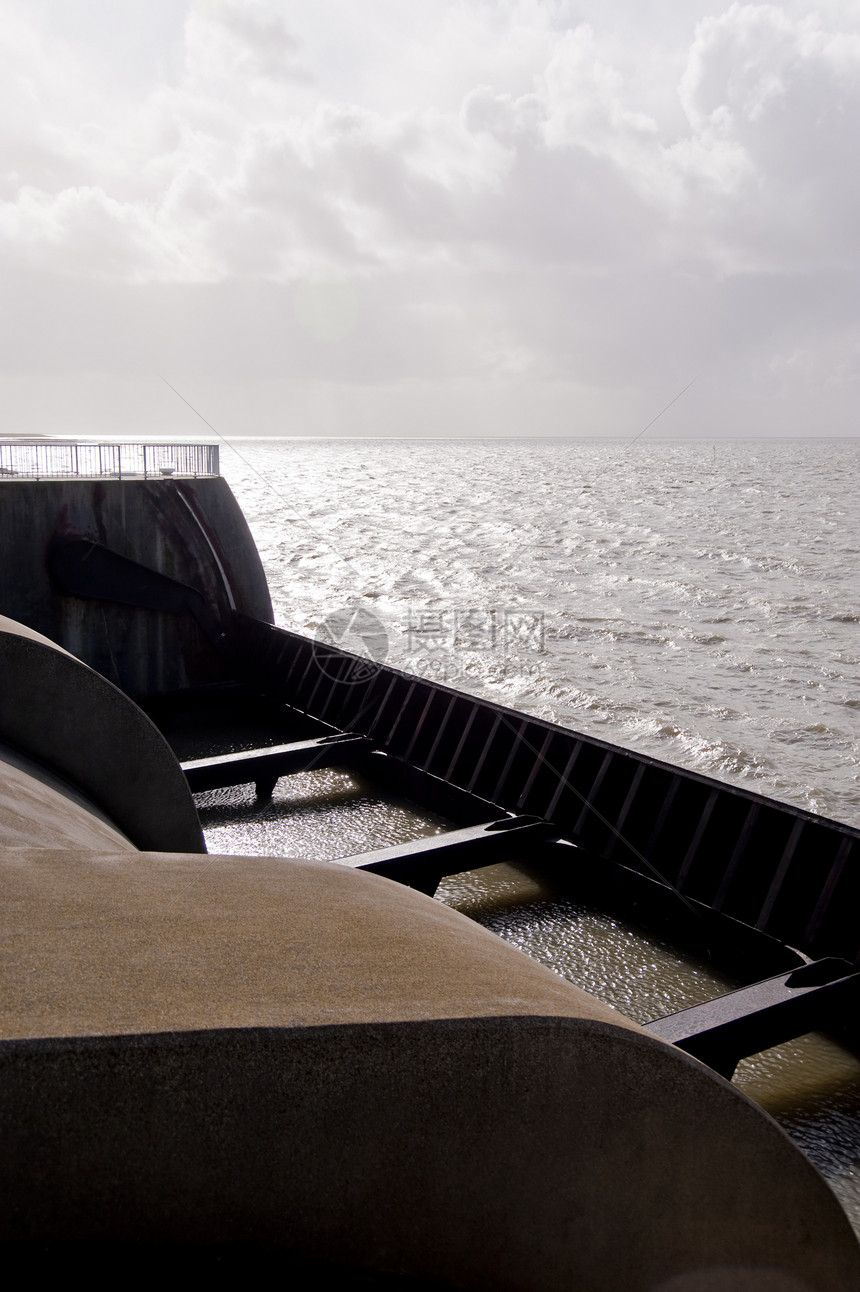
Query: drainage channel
(811, 1085)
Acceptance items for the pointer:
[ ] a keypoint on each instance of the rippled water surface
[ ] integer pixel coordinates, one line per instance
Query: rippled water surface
(694, 601)
(324, 815)
(811, 1085)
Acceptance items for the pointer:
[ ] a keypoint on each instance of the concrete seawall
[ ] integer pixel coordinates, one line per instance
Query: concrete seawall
(307, 1058)
(191, 530)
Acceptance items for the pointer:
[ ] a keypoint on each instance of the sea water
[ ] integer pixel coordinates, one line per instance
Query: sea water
(697, 602)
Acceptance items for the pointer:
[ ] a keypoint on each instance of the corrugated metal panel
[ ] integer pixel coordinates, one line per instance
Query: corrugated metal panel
(783, 871)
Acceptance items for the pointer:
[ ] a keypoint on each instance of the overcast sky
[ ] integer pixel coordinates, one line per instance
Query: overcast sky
(519, 217)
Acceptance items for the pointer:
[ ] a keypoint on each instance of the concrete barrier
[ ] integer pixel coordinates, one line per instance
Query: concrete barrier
(192, 531)
(80, 728)
(260, 1050)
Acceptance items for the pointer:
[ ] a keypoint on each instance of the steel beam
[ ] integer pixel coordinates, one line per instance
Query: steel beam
(422, 863)
(265, 766)
(744, 1022)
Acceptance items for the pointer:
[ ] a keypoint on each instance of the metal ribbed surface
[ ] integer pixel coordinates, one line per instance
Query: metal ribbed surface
(787, 872)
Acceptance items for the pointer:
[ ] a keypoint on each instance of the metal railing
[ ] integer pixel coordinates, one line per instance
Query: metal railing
(52, 460)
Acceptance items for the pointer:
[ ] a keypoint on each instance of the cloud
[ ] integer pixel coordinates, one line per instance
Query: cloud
(243, 167)
(248, 39)
(778, 95)
(520, 191)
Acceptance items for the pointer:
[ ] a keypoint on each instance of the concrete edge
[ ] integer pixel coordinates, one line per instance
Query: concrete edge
(61, 713)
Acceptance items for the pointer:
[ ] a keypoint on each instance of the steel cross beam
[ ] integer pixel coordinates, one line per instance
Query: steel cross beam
(265, 766)
(422, 863)
(731, 1027)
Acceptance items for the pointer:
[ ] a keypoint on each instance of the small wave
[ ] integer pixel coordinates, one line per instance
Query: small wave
(816, 733)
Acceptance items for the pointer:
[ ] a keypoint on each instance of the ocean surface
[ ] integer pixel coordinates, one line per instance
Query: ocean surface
(699, 602)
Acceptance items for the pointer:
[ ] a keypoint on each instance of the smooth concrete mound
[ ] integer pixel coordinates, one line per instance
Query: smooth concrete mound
(226, 1050)
(61, 714)
(38, 809)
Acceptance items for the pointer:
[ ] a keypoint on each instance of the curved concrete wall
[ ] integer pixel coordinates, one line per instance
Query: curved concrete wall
(40, 810)
(190, 530)
(63, 715)
(295, 1053)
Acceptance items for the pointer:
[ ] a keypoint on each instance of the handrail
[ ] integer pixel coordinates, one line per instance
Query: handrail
(55, 459)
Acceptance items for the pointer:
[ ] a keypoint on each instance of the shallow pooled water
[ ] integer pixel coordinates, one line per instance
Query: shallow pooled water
(811, 1085)
(324, 815)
